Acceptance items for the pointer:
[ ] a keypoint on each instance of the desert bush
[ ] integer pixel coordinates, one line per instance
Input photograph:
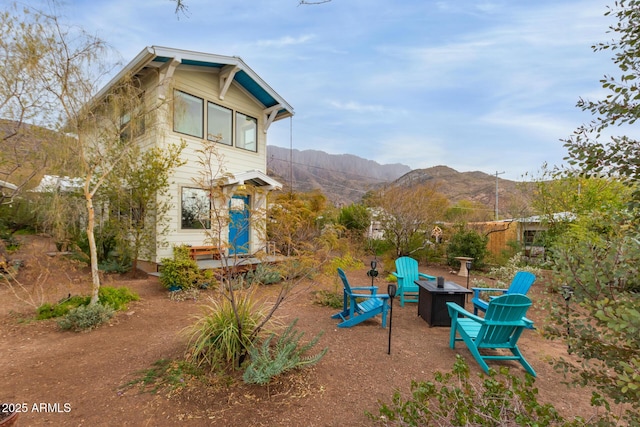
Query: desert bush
(599, 259)
(467, 243)
(86, 317)
(224, 332)
(180, 271)
(268, 361)
(452, 399)
(116, 298)
(515, 264)
(264, 275)
(61, 308)
(326, 298)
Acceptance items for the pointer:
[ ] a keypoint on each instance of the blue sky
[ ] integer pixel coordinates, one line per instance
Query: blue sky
(474, 85)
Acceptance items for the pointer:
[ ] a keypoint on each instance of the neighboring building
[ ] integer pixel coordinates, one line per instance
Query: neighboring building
(7, 189)
(525, 231)
(210, 96)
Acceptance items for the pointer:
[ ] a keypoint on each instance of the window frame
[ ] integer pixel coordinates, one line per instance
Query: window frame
(238, 132)
(177, 94)
(210, 135)
(201, 225)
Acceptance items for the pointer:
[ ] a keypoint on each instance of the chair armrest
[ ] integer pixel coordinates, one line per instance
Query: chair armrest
(426, 276)
(383, 296)
(365, 288)
(452, 306)
(476, 291)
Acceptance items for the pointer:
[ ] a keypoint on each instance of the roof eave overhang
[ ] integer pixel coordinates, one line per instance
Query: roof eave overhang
(255, 178)
(232, 70)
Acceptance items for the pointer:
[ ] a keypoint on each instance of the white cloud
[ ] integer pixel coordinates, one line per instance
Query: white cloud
(286, 41)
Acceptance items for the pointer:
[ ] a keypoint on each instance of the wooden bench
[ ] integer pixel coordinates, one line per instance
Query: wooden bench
(213, 251)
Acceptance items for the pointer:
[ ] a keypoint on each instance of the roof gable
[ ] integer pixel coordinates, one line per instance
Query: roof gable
(154, 57)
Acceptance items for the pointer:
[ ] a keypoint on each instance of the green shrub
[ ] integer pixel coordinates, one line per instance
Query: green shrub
(219, 336)
(507, 272)
(267, 361)
(61, 308)
(467, 243)
(451, 399)
(115, 265)
(85, 317)
(116, 298)
(327, 298)
(264, 275)
(181, 271)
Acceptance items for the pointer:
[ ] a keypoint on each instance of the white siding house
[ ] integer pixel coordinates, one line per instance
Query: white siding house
(216, 98)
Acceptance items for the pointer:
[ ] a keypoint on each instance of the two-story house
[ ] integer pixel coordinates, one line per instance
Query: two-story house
(216, 98)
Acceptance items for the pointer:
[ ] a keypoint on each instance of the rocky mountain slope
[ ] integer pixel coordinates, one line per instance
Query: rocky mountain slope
(345, 178)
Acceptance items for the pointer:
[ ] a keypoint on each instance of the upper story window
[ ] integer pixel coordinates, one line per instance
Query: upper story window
(129, 127)
(219, 124)
(222, 125)
(246, 132)
(188, 117)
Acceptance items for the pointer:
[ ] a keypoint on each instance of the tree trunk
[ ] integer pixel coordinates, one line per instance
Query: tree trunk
(95, 275)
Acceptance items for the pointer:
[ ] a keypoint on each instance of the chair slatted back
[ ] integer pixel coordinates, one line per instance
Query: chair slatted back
(503, 319)
(521, 283)
(345, 282)
(407, 267)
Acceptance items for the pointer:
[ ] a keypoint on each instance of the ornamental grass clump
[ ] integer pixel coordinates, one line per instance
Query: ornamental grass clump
(223, 333)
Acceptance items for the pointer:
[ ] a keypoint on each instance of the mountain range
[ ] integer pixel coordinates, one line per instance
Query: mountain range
(345, 178)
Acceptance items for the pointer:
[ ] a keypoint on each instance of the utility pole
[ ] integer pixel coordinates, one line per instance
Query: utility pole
(497, 173)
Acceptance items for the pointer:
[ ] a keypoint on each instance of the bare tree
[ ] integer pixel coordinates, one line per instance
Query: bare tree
(51, 79)
(407, 215)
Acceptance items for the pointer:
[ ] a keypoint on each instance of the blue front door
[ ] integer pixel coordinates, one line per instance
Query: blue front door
(239, 225)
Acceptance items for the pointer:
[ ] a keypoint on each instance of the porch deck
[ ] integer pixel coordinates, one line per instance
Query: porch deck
(213, 264)
(240, 263)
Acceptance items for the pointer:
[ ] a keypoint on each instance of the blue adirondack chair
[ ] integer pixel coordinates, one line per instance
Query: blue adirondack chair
(370, 305)
(520, 284)
(501, 328)
(407, 273)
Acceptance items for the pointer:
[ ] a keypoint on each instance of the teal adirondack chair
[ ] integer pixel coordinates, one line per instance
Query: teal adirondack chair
(501, 328)
(520, 284)
(370, 305)
(407, 273)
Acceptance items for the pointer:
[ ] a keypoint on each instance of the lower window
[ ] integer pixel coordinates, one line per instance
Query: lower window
(196, 209)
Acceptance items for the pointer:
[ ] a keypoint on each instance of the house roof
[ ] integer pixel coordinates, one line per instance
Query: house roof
(58, 183)
(231, 69)
(558, 216)
(255, 178)
(8, 185)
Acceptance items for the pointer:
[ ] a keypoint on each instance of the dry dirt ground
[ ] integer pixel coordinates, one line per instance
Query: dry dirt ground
(76, 379)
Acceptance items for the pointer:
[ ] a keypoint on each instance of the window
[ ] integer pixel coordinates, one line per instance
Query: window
(196, 209)
(188, 114)
(127, 125)
(246, 132)
(219, 124)
(188, 118)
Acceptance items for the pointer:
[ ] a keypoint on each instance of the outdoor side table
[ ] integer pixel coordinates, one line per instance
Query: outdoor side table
(432, 300)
